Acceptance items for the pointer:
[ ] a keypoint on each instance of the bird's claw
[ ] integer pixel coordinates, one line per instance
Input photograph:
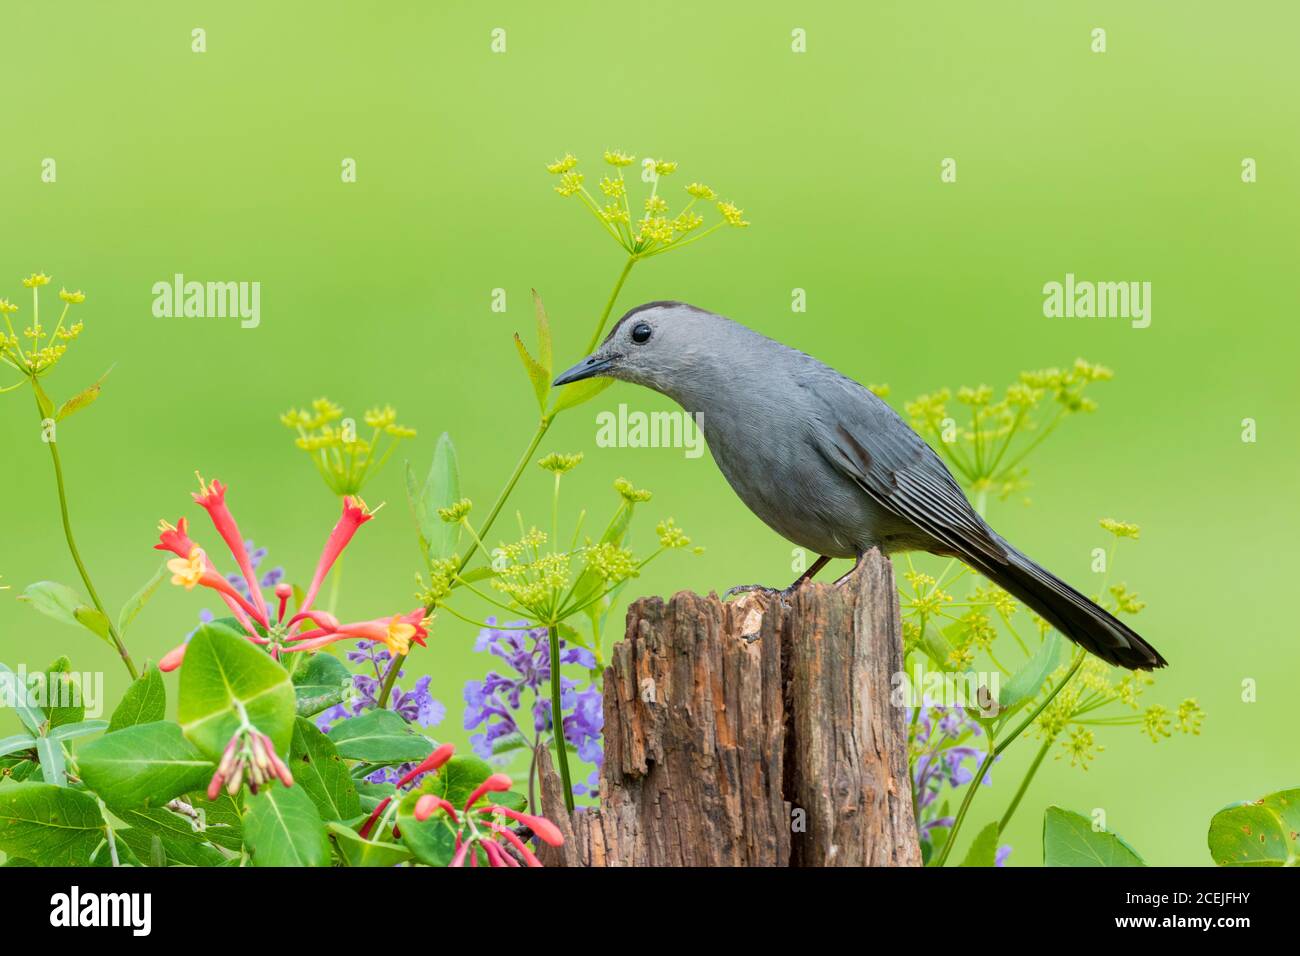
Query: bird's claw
(746, 589)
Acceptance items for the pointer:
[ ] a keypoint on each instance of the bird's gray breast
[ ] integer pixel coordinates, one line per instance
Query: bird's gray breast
(765, 443)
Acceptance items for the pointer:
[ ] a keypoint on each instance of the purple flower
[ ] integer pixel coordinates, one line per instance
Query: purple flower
(495, 702)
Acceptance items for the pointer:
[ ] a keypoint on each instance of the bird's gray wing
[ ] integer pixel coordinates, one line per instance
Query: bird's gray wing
(869, 443)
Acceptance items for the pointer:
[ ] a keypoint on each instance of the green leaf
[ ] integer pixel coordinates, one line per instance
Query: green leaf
(1025, 683)
(544, 358)
(283, 828)
(18, 769)
(322, 774)
(50, 754)
(223, 818)
(984, 850)
(79, 401)
(64, 604)
(536, 374)
(432, 841)
(457, 779)
(379, 737)
(63, 697)
(49, 825)
(223, 672)
(13, 693)
(79, 729)
(1070, 840)
(43, 401)
(163, 849)
(141, 597)
(144, 702)
(320, 683)
(10, 745)
(575, 393)
(1263, 833)
(358, 851)
(145, 765)
(441, 489)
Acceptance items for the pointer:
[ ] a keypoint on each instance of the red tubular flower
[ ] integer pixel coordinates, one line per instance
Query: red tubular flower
(546, 831)
(427, 804)
(192, 567)
(434, 761)
(513, 839)
(497, 856)
(213, 500)
(458, 858)
(375, 814)
(355, 514)
(497, 783)
(172, 659)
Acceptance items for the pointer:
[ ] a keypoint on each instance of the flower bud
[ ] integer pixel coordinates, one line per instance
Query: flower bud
(498, 782)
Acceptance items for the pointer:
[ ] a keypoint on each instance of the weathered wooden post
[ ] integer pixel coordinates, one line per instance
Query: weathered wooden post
(757, 732)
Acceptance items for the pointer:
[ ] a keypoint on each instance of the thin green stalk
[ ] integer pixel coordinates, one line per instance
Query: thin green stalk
(609, 306)
(1024, 784)
(557, 716)
(543, 426)
(76, 555)
(997, 752)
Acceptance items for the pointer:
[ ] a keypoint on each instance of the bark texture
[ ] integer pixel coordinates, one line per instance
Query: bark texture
(755, 732)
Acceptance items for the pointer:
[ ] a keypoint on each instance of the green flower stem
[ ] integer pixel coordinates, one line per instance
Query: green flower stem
(543, 426)
(1024, 784)
(609, 306)
(76, 555)
(997, 752)
(557, 716)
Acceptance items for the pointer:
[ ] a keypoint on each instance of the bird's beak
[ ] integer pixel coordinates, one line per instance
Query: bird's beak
(590, 367)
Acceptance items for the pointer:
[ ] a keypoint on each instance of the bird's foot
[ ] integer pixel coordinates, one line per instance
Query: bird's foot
(747, 589)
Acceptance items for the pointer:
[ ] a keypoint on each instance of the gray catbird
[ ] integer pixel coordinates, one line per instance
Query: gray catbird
(827, 464)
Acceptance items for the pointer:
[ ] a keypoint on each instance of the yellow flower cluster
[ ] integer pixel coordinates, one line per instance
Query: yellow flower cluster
(344, 458)
(43, 349)
(656, 229)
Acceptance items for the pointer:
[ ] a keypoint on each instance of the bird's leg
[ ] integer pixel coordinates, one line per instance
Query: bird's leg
(856, 565)
(806, 576)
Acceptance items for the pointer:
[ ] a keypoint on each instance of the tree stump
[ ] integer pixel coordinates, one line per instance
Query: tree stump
(756, 732)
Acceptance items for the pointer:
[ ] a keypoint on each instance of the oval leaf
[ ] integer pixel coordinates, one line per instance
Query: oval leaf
(1070, 840)
(223, 669)
(282, 828)
(144, 765)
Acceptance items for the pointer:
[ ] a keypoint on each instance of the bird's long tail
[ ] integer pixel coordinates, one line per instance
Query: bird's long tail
(1093, 628)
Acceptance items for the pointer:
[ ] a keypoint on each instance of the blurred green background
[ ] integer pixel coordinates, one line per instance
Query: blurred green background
(1118, 166)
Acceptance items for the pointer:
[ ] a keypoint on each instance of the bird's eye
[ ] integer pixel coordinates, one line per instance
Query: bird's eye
(641, 333)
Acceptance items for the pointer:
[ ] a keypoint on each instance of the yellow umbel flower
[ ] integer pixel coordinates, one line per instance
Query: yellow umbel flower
(72, 298)
(618, 158)
(570, 183)
(560, 464)
(733, 215)
(701, 191)
(562, 165)
(453, 513)
(630, 493)
(1121, 529)
(35, 280)
(671, 536)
